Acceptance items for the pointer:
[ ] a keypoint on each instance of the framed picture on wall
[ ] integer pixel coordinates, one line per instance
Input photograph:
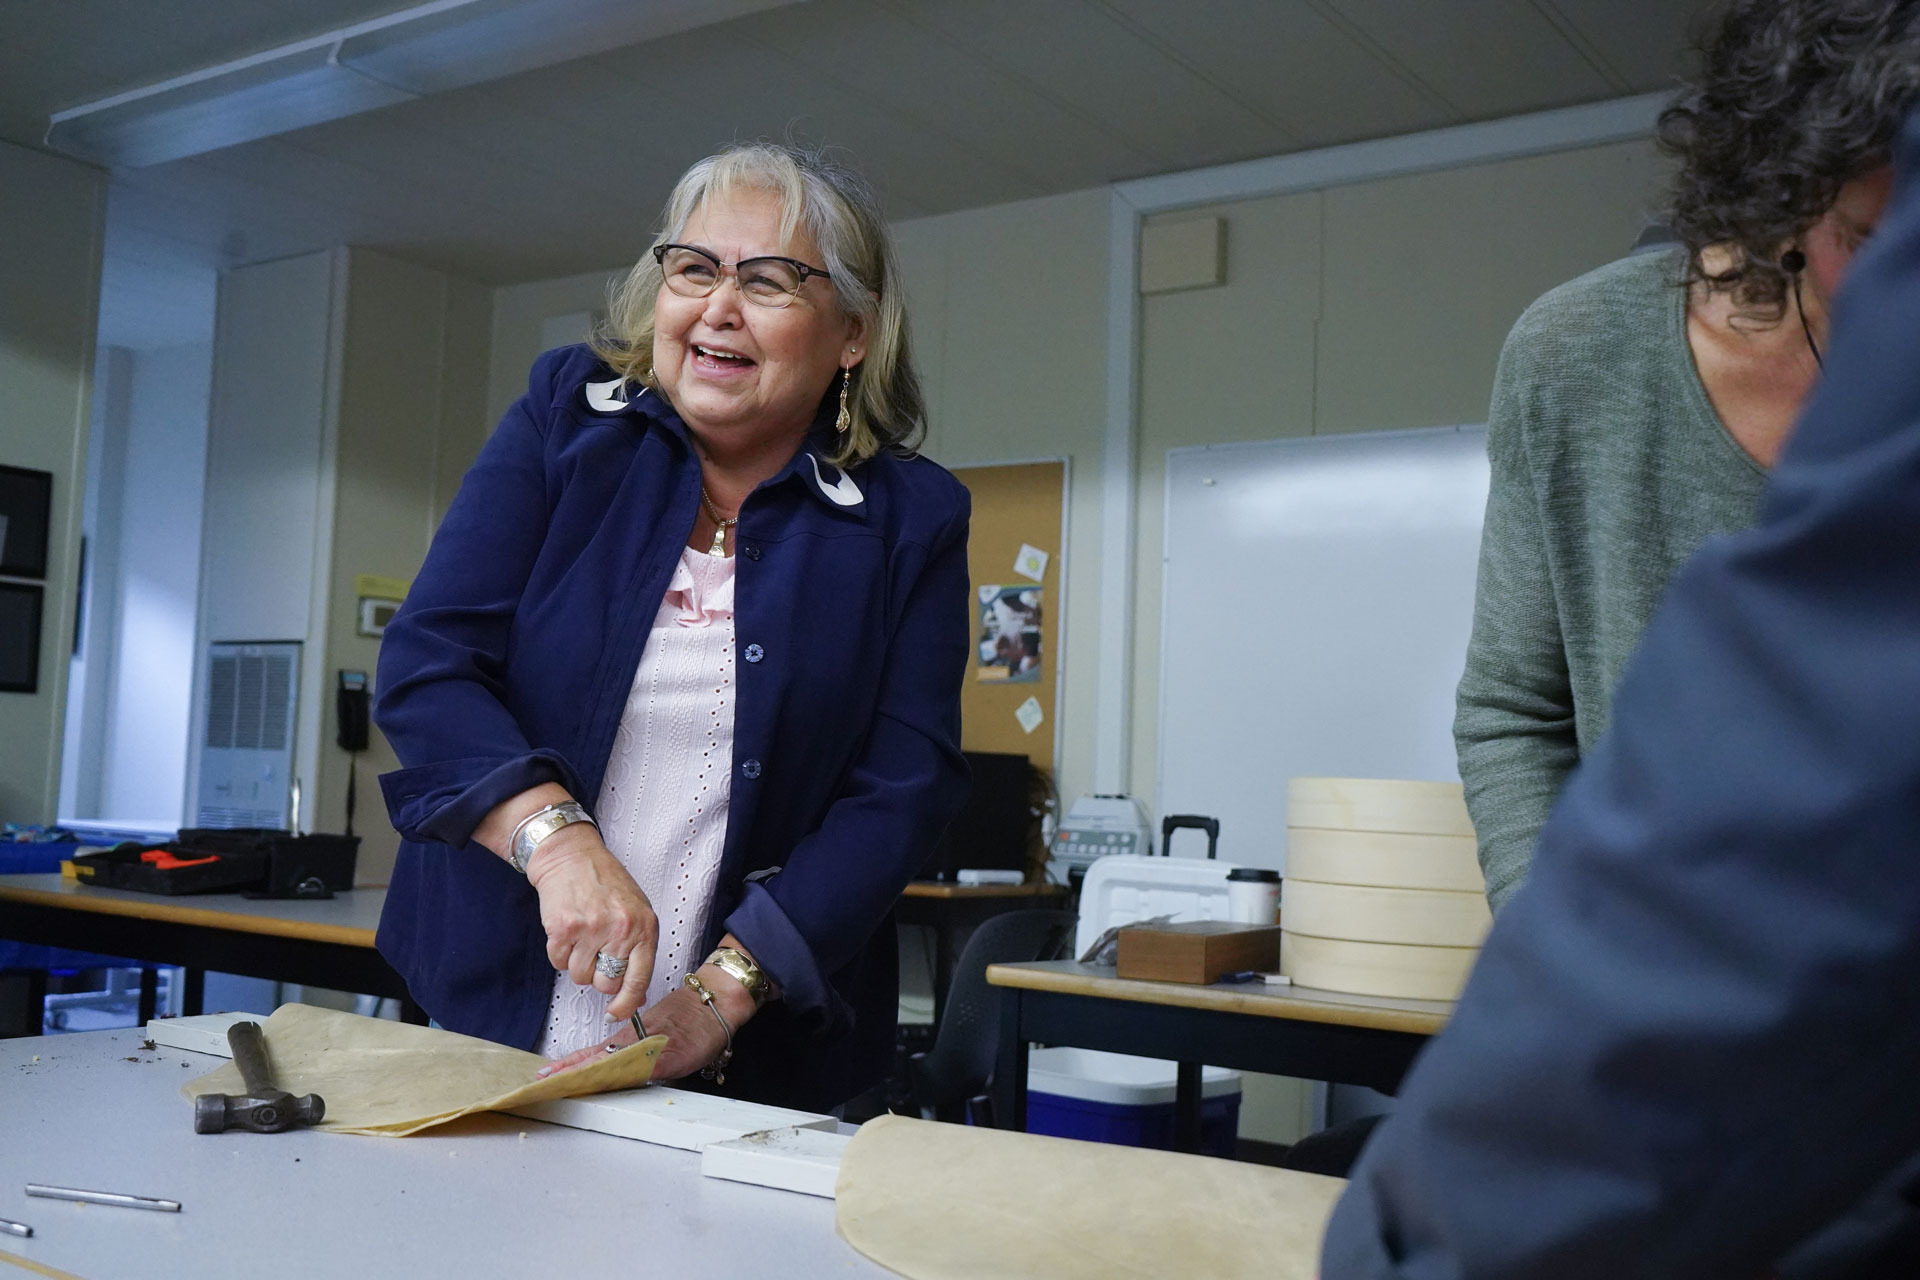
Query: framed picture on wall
(26, 499)
(19, 637)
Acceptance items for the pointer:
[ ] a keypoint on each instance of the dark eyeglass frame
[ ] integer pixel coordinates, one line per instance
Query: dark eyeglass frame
(804, 270)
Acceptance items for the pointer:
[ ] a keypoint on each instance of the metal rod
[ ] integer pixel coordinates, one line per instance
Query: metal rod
(12, 1228)
(102, 1197)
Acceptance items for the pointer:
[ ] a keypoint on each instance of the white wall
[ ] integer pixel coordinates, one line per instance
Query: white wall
(133, 681)
(52, 214)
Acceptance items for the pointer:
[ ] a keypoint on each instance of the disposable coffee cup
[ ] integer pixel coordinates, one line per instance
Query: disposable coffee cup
(1253, 895)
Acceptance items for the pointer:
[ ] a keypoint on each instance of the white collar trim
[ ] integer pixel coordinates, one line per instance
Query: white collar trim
(842, 492)
(609, 397)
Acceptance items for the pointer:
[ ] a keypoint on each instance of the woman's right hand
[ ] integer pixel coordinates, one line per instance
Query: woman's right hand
(590, 905)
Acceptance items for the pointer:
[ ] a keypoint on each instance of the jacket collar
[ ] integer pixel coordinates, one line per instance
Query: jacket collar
(808, 468)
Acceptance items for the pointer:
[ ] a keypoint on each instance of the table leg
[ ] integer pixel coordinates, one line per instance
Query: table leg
(149, 993)
(1010, 1067)
(1186, 1108)
(193, 994)
(411, 1012)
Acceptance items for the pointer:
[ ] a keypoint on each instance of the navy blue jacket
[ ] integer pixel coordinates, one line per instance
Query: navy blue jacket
(509, 666)
(1694, 1037)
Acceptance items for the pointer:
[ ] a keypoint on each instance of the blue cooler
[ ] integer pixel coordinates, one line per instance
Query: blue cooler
(1115, 1097)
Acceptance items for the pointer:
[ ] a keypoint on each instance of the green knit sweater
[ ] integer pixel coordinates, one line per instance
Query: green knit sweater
(1610, 467)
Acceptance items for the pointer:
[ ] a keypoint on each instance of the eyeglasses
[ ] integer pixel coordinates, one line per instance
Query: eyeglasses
(695, 273)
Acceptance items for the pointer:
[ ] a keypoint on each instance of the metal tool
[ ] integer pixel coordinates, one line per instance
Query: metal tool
(102, 1197)
(263, 1108)
(13, 1228)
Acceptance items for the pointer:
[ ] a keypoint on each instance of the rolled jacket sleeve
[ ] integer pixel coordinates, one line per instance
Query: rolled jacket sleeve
(441, 691)
(840, 881)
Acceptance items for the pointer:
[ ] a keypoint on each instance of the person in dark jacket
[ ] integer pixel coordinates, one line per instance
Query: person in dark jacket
(676, 693)
(1690, 1045)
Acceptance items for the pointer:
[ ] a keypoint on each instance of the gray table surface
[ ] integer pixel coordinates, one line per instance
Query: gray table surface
(485, 1196)
(356, 909)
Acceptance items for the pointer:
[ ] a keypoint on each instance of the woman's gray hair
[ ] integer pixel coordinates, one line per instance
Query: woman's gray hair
(838, 210)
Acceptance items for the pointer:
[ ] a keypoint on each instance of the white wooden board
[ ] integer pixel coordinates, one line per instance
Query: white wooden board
(1390, 860)
(791, 1159)
(1379, 804)
(672, 1117)
(1376, 968)
(1318, 596)
(201, 1033)
(1363, 913)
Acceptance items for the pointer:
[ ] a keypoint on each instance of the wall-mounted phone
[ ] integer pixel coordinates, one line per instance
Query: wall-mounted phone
(355, 716)
(352, 711)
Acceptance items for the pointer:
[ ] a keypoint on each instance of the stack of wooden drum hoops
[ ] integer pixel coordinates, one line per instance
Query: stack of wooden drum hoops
(1383, 894)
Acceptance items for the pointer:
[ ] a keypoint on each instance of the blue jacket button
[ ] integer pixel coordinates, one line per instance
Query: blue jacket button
(751, 551)
(755, 653)
(750, 768)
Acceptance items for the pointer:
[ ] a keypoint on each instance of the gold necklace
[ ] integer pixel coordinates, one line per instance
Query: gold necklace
(719, 547)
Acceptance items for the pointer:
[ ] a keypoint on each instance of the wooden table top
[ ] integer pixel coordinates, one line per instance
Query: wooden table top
(948, 889)
(1422, 1017)
(348, 919)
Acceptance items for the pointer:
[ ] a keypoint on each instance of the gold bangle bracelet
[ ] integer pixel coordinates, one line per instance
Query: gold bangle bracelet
(716, 1070)
(736, 965)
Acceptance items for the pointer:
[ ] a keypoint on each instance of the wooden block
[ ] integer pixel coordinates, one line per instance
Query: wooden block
(201, 1033)
(671, 1117)
(1363, 913)
(1376, 968)
(1197, 951)
(803, 1160)
(1378, 804)
(1387, 859)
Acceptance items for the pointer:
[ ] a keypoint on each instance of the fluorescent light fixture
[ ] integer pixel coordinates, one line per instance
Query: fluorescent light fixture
(428, 48)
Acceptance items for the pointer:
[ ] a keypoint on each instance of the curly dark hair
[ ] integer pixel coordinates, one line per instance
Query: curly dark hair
(1794, 99)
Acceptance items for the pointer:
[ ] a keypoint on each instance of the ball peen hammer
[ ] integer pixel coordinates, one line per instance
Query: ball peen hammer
(263, 1108)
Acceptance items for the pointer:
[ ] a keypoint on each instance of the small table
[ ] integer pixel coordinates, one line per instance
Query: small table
(953, 909)
(324, 942)
(1289, 1031)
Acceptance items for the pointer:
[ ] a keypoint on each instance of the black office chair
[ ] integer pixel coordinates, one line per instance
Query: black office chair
(950, 1080)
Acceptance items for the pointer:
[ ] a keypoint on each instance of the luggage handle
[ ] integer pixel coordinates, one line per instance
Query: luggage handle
(1175, 821)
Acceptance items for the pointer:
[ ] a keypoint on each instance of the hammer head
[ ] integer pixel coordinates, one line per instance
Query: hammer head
(261, 1113)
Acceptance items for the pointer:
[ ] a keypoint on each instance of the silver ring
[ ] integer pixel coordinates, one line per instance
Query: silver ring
(609, 966)
(613, 1048)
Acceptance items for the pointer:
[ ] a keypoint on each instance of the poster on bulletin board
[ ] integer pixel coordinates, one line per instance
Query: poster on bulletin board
(1013, 560)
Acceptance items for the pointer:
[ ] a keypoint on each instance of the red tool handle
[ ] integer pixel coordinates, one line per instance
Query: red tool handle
(165, 861)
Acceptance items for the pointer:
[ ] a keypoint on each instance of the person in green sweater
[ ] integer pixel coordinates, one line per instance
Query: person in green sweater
(1636, 409)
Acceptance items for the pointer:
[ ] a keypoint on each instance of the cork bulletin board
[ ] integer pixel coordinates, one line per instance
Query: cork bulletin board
(1014, 563)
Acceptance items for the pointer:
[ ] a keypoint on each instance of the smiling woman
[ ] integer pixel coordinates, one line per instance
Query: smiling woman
(648, 782)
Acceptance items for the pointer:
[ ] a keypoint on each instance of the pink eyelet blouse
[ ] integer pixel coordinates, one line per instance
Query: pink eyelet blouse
(663, 804)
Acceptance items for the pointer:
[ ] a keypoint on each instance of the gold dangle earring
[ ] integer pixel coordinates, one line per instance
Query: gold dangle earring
(844, 422)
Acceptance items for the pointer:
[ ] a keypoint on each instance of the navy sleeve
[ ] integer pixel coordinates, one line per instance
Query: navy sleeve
(810, 919)
(1691, 1039)
(441, 693)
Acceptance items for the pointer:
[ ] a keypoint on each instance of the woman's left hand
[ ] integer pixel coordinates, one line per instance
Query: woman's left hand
(694, 1038)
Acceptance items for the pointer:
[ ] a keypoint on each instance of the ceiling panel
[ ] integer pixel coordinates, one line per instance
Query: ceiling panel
(1291, 64)
(1076, 55)
(61, 55)
(1486, 58)
(976, 110)
(1643, 41)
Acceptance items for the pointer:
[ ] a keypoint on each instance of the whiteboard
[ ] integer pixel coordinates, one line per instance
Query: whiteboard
(1317, 599)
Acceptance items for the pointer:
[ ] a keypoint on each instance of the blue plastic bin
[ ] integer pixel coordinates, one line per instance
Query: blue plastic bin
(1113, 1097)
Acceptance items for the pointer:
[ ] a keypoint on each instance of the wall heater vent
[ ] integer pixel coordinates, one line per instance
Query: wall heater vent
(246, 757)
